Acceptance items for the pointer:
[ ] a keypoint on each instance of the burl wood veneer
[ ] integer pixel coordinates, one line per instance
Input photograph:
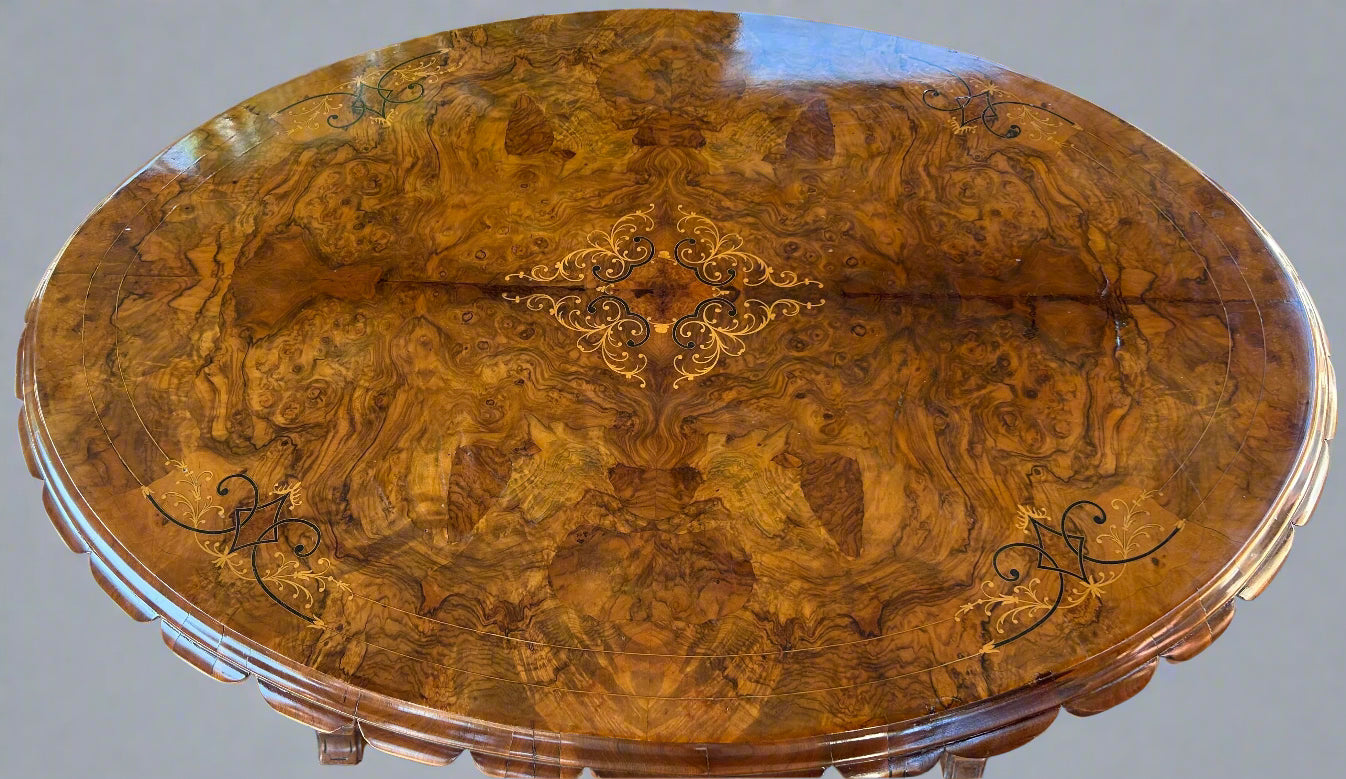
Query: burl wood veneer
(670, 393)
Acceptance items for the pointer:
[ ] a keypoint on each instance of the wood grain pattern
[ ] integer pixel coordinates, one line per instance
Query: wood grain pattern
(676, 392)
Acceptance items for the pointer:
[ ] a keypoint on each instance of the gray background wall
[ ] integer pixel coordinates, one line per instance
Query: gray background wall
(1250, 92)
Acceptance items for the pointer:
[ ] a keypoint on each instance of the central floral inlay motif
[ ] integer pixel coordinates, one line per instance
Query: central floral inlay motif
(696, 295)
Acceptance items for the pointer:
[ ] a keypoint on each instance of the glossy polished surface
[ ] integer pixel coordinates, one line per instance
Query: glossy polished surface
(677, 378)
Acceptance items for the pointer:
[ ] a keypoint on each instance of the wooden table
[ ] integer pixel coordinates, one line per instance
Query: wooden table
(676, 393)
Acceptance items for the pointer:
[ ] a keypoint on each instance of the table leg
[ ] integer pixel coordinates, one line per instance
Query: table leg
(343, 746)
(956, 767)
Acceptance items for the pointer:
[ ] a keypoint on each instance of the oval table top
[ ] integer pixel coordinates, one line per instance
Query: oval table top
(676, 392)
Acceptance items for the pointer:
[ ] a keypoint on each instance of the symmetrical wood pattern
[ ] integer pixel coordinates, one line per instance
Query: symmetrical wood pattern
(667, 392)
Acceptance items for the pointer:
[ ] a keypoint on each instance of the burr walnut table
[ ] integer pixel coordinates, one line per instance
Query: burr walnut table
(676, 393)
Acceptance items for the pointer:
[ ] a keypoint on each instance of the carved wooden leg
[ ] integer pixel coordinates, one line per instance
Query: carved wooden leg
(956, 767)
(343, 746)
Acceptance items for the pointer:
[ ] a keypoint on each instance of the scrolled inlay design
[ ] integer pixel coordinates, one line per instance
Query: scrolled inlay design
(610, 255)
(290, 579)
(361, 98)
(993, 109)
(606, 325)
(1063, 550)
(717, 258)
(715, 327)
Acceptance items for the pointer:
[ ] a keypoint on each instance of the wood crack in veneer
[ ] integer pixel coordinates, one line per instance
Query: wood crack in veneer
(674, 393)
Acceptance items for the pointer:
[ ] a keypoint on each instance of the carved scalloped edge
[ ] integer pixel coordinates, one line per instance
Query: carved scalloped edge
(302, 710)
(407, 745)
(907, 749)
(1105, 697)
(1201, 636)
(511, 766)
(1305, 485)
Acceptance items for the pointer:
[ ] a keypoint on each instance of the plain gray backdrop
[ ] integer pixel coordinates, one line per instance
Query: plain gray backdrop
(1250, 92)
